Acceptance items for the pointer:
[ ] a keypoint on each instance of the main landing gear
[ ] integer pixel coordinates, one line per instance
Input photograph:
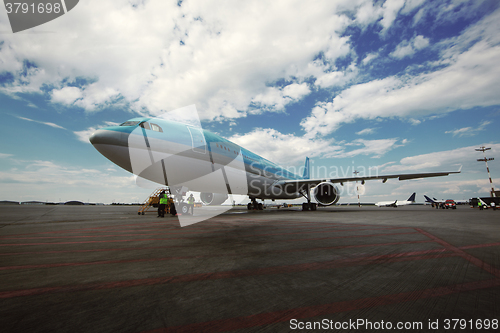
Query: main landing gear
(254, 205)
(308, 205)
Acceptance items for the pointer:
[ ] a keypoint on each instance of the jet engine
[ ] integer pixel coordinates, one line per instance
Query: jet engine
(212, 199)
(326, 194)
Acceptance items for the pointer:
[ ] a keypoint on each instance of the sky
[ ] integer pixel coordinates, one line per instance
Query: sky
(393, 86)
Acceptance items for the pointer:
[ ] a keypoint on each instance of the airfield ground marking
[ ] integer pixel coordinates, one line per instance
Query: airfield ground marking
(476, 261)
(269, 318)
(105, 262)
(294, 268)
(294, 232)
(173, 246)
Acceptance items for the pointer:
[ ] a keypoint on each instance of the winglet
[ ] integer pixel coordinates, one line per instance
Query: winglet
(306, 169)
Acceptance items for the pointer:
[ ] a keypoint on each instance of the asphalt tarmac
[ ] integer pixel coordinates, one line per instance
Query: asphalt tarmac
(342, 269)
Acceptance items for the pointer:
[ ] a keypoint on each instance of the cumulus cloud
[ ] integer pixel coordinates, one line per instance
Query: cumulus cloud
(409, 48)
(469, 77)
(158, 56)
(445, 160)
(278, 98)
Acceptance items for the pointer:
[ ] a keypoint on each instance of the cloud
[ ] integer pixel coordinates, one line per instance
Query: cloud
(2, 155)
(447, 160)
(284, 149)
(277, 98)
(366, 131)
(467, 77)
(159, 56)
(42, 122)
(290, 150)
(376, 148)
(66, 95)
(409, 48)
(47, 180)
(469, 131)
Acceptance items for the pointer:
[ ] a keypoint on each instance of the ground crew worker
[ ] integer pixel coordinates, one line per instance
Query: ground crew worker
(163, 201)
(493, 205)
(480, 205)
(190, 202)
(171, 204)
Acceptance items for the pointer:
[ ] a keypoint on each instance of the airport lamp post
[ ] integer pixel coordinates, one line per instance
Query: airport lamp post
(485, 160)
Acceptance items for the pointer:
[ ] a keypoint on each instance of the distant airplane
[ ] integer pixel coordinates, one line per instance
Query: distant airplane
(433, 200)
(183, 157)
(397, 203)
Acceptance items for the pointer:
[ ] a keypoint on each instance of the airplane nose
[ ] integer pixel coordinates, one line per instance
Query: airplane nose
(113, 145)
(107, 137)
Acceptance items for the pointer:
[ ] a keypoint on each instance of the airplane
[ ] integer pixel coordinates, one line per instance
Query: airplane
(434, 200)
(183, 157)
(397, 203)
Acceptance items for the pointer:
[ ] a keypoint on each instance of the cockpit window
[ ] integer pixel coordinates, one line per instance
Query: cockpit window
(156, 128)
(130, 123)
(145, 125)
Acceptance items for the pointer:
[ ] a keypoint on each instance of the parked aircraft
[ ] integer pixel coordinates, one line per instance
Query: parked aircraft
(185, 157)
(397, 203)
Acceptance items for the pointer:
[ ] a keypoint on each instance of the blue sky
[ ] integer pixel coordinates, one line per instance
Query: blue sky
(401, 86)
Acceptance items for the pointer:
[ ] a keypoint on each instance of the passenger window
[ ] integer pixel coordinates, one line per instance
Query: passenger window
(156, 128)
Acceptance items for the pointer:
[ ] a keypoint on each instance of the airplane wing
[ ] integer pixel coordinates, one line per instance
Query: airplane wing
(302, 184)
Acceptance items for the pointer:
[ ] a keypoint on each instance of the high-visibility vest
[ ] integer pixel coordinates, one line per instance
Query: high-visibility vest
(190, 200)
(164, 199)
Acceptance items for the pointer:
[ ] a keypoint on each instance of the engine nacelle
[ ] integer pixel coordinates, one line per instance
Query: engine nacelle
(326, 194)
(212, 199)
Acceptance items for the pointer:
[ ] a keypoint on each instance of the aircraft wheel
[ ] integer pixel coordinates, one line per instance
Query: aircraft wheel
(184, 208)
(305, 206)
(142, 213)
(138, 213)
(260, 206)
(249, 206)
(313, 206)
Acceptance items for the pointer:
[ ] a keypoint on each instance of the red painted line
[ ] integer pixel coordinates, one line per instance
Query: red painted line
(106, 262)
(160, 239)
(333, 264)
(478, 262)
(339, 237)
(261, 319)
(168, 232)
(475, 246)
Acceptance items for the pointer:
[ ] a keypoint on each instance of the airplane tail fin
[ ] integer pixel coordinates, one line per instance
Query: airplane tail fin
(412, 197)
(428, 199)
(306, 169)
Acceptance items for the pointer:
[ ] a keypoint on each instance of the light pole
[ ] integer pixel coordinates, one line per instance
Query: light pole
(485, 160)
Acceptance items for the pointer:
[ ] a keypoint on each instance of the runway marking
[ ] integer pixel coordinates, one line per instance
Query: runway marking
(124, 261)
(261, 319)
(331, 264)
(199, 232)
(178, 229)
(159, 239)
(478, 262)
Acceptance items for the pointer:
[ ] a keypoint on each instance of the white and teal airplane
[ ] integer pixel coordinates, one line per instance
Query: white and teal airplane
(185, 157)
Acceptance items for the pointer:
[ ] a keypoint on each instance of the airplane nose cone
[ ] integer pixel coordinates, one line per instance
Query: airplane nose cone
(113, 145)
(108, 137)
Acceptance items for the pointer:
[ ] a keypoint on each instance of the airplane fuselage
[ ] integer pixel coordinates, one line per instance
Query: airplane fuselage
(176, 154)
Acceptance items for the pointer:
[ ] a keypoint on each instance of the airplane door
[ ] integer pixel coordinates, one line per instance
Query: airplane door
(197, 140)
